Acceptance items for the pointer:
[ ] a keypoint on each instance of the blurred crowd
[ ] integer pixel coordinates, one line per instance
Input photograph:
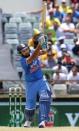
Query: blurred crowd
(62, 29)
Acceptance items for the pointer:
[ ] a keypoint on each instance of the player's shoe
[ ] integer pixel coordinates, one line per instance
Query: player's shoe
(42, 124)
(27, 124)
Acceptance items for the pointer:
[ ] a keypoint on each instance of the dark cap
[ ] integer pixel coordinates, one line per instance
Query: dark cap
(22, 47)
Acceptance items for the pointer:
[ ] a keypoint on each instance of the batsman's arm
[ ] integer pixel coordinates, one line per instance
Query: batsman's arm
(34, 55)
(37, 50)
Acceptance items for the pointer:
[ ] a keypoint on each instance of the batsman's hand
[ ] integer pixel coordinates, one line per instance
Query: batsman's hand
(41, 40)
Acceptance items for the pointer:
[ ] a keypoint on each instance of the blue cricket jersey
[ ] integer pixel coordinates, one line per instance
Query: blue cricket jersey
(32, 71)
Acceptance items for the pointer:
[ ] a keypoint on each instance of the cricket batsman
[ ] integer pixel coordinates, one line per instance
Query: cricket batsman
(35, 83)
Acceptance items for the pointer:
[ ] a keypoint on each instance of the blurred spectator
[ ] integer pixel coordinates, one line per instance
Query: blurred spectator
(74, 1)
(50, 14)
(59, 77)
(49, 4)
(57, 13)
(60, 67)
(48, 23)
(63, 48)
(67, 59)
(75, 40)
(56, 27)
(63, 7)
(77, 8)
(73, 76)
(68, 13)
(68, 28)
(71, 12)
(77, 30)
(75, 13)
(74, 53)
(73, 80)
(75, 49)
(31, 42)
(58, 45)
(50, 58)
